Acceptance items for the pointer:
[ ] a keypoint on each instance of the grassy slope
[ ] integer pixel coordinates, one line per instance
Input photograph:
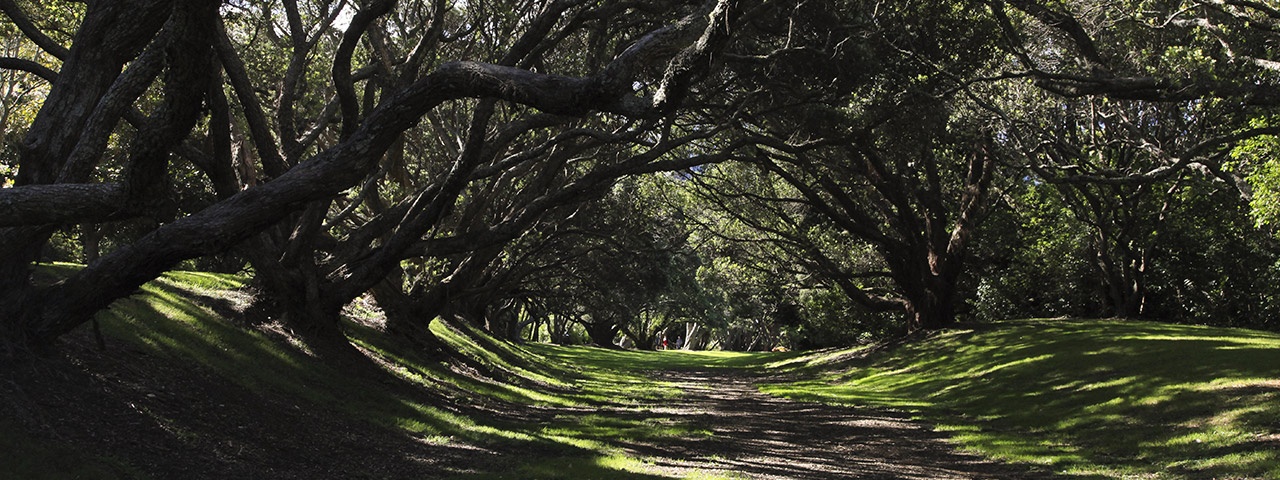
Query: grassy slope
(170, 321)
(1099, 399)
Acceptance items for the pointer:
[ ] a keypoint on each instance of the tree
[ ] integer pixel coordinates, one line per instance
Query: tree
(301, 180)
(772, 256)
(1121, 132)
(343, 148)
(894, 155)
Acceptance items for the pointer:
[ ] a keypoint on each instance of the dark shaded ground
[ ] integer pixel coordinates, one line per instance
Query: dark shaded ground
(154, 417)
(765, 437)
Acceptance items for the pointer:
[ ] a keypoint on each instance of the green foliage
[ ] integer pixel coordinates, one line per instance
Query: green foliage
(1032, 260)
(1090, 398)
(1215, 267)
(759, 263)
(1205, 261)
(830, 320)
(1259, 158)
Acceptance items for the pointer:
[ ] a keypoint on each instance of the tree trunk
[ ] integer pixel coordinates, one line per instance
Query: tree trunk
(504, 322)
(602, 333)
(319, 325)
(693, 333)
(405, 318)
(1123, 281)
(111, 35)
(559, 330)
(306, 311)
(91, 241)
(930, 301)
(931, 313)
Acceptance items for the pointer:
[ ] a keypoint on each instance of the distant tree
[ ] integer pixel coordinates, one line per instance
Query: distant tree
(891, 154)
(762, 238)
(1141, 105)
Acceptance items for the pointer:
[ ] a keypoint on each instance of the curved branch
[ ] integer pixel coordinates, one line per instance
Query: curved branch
(114, 104)
(21, 64)
(1067, 24)
(31, 31)
(273, 163)
(342, 80)
(231, 221)
(61, 204)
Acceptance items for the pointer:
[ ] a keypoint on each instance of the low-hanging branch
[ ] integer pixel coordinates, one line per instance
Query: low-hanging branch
(337, 168)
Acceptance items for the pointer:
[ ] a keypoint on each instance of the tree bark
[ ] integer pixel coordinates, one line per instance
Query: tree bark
(602, 333)
(931, 304)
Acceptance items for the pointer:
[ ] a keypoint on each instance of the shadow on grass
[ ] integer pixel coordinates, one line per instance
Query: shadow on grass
(430, 411)
(666, 360)
(1090, 397)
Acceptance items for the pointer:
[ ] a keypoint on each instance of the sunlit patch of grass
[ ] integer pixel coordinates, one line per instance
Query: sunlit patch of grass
(1096, 398)
(667, 360)
(573, 468)
(609, 375)
(825, 359)
(608, 466)
(165, 321)
(501, 356)
(608, 428)
(437, 376)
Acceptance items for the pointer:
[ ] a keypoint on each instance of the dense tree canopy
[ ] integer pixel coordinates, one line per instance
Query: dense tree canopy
(743, 173)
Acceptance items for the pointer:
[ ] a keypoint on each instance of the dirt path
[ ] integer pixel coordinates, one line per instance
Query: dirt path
(763, 437)
(172, 422)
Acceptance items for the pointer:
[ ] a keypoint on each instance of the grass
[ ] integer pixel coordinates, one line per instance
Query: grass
(171, 319)
(164, 321)
(607, 375)
(600, 467)
(1093, 399)
(1097, 399)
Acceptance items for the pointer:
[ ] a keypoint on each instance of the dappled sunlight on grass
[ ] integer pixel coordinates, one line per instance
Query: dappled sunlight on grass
(174, 325)
(610, 376)
(173, 318)
(825, 359)
(1092, 397)
(437, 376)
(500, 356)
(165, 322)
(613, 466)
(572, 468)
(1089, 399)
(600, 427)
(636, 360)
